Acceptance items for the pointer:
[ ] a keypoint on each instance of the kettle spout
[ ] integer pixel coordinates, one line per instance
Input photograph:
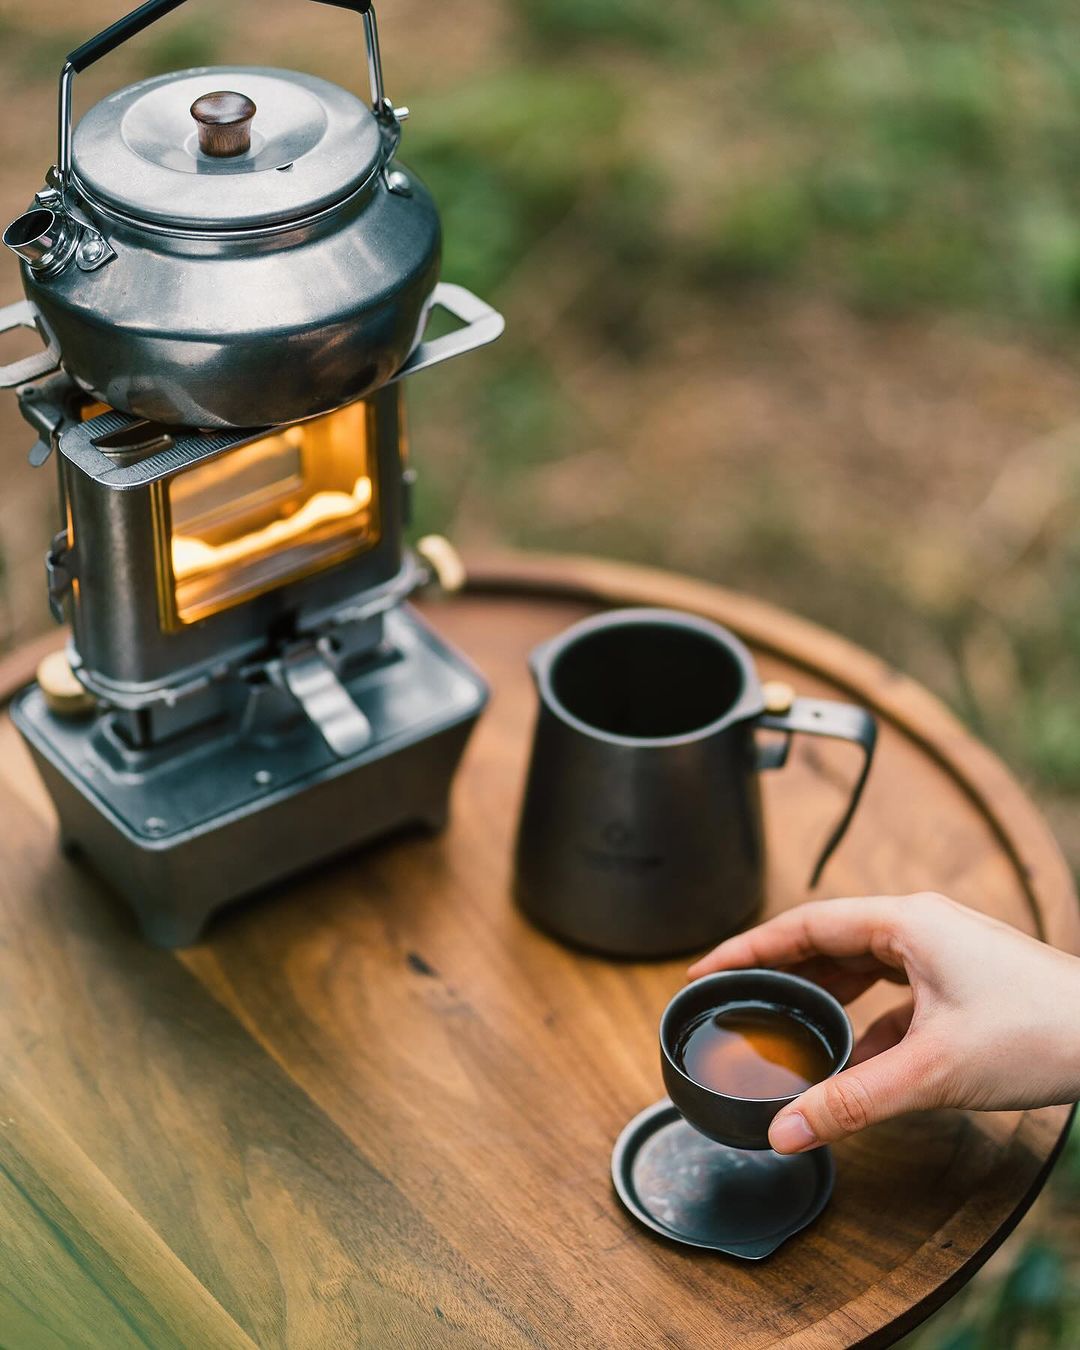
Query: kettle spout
(43, 238)
(48, 240)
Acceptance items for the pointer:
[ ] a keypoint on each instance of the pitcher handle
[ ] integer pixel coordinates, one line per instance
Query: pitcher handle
(838, 721)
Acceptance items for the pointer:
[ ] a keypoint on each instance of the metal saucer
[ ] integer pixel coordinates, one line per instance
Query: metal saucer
(691, 1190)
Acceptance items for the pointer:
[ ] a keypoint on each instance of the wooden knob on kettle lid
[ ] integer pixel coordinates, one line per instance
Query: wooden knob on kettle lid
(224, 120)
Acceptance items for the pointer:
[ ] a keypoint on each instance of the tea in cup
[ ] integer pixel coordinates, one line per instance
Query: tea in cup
(738, 1046)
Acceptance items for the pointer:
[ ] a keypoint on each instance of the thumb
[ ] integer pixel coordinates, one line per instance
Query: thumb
(876, 1090)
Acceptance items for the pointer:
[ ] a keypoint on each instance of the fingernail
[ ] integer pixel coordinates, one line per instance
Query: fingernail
(791, 1133)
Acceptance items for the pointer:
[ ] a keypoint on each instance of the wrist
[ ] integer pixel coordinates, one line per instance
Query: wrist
(1053, 1053)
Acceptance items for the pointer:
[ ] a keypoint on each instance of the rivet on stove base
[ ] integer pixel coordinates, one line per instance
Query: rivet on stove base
(155, 825)
(263, 777)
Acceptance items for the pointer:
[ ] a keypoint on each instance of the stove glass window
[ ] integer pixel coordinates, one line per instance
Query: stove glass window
(272, 511)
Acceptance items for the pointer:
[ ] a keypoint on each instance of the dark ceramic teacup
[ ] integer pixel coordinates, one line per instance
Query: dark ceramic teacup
(743, 1122)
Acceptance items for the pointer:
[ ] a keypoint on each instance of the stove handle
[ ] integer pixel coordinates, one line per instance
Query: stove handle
(23, 315)
(481, 325)
(139, 19)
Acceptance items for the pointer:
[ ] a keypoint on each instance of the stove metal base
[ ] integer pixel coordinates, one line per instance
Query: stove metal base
(182, 830)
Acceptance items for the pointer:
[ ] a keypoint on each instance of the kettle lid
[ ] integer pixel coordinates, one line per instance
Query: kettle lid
(225, 148)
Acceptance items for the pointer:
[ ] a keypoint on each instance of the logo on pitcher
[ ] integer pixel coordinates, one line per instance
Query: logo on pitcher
(616, 853)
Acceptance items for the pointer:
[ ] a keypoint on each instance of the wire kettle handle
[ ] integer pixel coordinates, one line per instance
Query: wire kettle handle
(140, 19)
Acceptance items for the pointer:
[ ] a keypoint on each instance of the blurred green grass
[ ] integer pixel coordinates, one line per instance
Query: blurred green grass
(908, 153)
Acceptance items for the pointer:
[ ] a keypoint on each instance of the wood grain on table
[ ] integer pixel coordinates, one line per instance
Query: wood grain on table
(376, 1108)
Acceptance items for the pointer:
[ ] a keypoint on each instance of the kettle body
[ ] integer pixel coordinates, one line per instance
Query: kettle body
(246, 329)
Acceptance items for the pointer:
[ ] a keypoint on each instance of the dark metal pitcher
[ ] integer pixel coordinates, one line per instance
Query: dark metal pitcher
(641, 832)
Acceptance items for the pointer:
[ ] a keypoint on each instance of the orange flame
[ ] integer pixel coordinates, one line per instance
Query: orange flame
(194, 557)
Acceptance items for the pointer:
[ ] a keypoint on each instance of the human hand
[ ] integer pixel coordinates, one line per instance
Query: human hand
(992, 1023)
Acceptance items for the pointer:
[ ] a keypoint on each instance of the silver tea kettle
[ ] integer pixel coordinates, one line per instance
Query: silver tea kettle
(226, 246)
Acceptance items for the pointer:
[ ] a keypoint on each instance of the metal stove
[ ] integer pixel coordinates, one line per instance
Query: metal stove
(231, 275)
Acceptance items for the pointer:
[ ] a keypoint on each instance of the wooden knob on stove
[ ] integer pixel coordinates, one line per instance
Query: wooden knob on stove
(63, 693)
(447, 569)
(224, 121)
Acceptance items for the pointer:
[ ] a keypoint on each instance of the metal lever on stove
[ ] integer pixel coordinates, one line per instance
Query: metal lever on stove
(310, 678)
(139, 19)
(482, 325)
(23, 315)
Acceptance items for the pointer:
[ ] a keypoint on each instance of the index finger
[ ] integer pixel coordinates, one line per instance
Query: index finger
(837, 928)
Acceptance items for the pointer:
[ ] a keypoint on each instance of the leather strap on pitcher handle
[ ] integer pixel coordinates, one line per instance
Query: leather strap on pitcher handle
(838, 721)
(140, 19)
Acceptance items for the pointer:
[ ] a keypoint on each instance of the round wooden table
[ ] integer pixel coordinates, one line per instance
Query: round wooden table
(377, 1108)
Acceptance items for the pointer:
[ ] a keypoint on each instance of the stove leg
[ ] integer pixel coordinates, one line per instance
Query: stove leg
(436, 818)
(172, 930)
